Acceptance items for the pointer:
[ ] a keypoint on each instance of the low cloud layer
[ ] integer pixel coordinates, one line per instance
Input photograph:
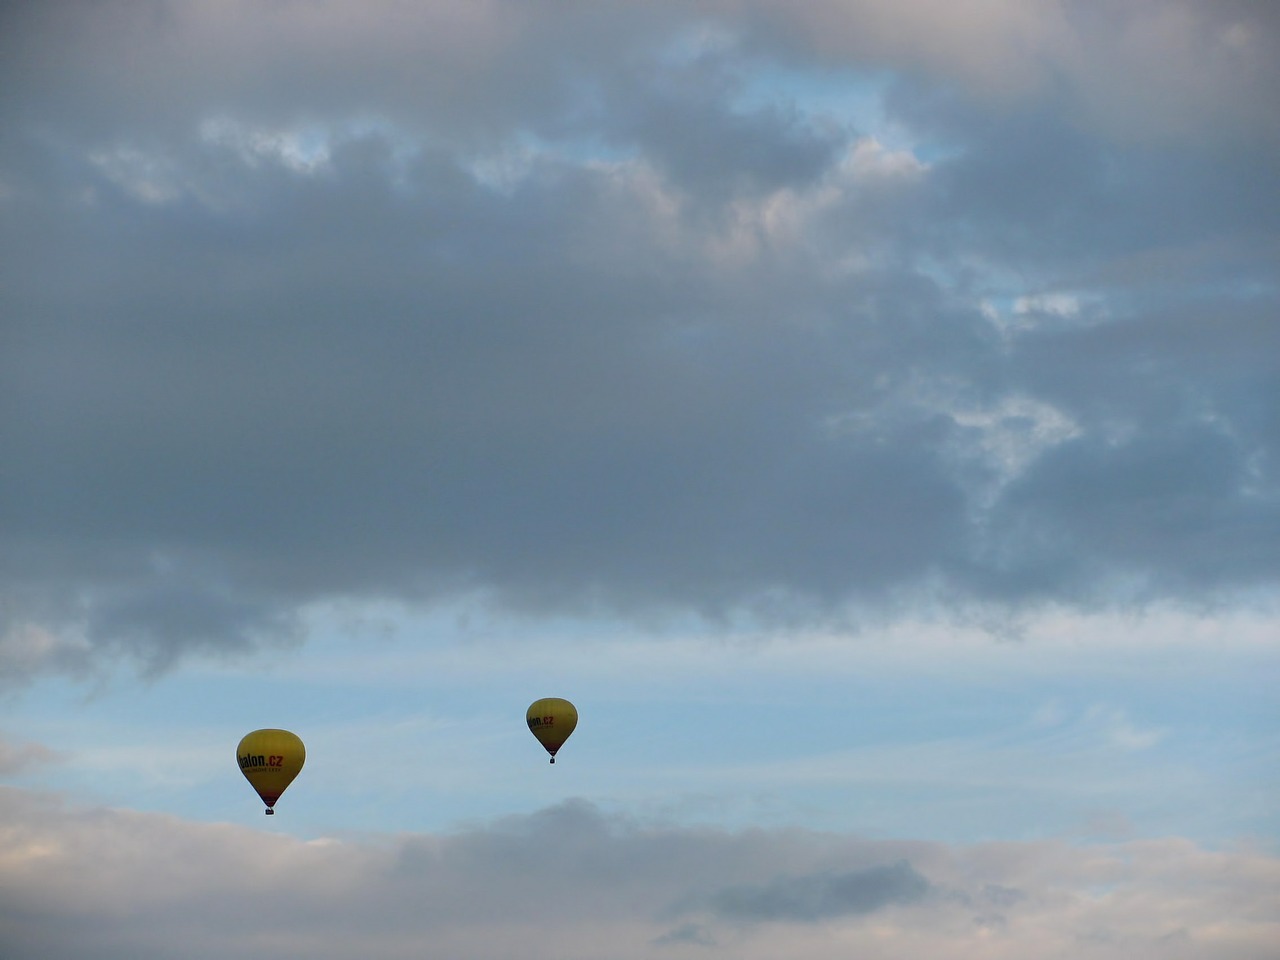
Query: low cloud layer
(16, 758)
(572, 882)
(623, 308)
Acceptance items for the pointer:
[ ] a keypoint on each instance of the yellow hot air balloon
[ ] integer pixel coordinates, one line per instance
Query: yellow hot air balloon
(551, 720)
(269, 760)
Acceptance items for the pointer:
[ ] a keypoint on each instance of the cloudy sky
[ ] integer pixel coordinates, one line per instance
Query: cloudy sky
(867, 412)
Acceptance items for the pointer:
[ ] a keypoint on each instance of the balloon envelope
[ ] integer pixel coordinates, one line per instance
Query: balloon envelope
(551, 720)
(269, 760)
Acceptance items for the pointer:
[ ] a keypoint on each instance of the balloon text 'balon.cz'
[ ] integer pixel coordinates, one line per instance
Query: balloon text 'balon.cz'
(551, 720)
(270, 760)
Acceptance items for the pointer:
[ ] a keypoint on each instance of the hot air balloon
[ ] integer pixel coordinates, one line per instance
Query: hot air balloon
(269, 760)
(551, 720)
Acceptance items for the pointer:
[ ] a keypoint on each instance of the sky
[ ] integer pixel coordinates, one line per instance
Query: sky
(866, 412)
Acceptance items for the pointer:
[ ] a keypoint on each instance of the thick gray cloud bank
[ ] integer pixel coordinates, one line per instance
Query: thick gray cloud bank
(571, 882)
(711, 307)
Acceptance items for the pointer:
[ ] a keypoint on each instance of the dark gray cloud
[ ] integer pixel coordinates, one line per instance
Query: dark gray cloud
(316, 302)
(688, 933)
(823, 896)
